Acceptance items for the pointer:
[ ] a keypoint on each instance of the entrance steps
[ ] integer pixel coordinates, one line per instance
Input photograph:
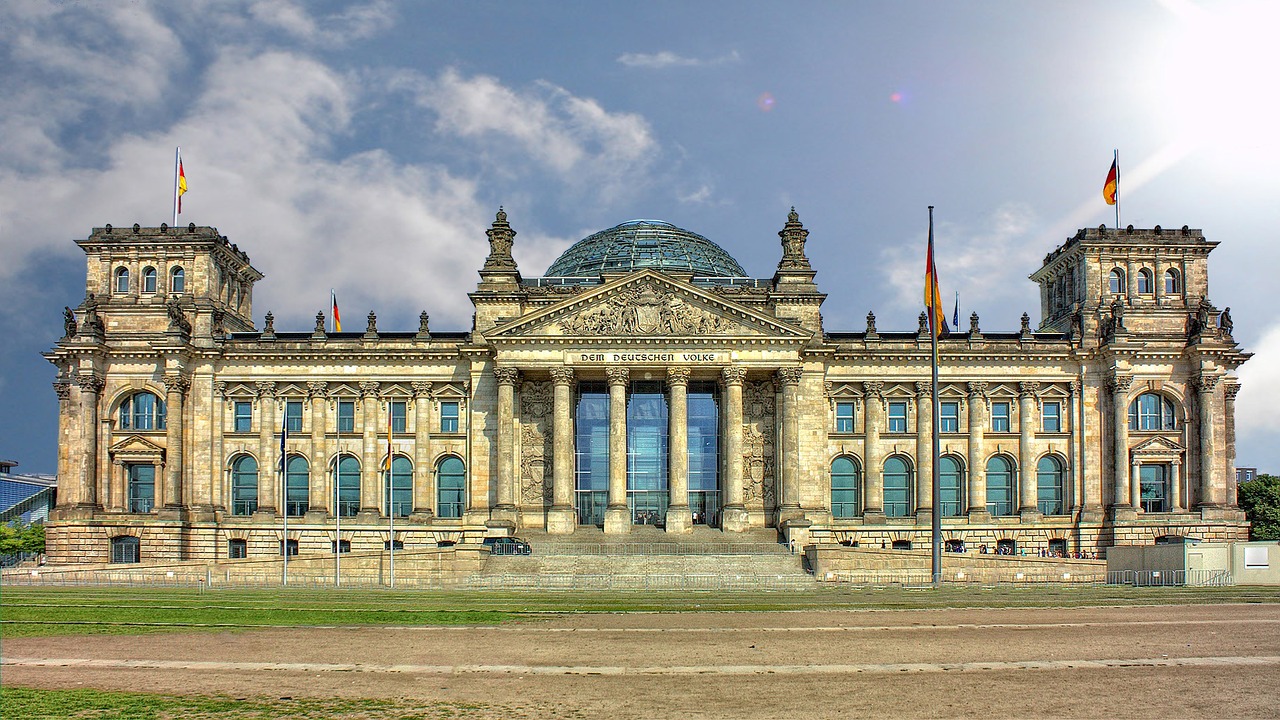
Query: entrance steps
(649, 559)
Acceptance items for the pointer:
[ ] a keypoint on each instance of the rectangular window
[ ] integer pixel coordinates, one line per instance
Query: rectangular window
(949, 416)
(346, 416)
(844, 417)
(1051, 417)
(397, 416)
(449, 417)
(293, 415)
(243, 416)
(237, 549)
(999, 417)
(142, 488)
(897, 417)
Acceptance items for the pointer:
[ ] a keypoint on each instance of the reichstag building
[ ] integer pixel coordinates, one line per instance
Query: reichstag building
(645, 379)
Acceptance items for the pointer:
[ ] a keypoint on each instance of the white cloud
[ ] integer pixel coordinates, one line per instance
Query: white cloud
(666, 59)
(1257, 422)
(353, 23)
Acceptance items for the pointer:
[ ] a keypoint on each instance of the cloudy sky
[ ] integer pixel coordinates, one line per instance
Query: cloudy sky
(365, 147)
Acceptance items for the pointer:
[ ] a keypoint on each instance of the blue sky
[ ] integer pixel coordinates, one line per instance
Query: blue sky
(366, 146)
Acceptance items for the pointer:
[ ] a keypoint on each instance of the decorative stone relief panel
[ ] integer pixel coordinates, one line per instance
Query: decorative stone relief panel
(535, 443)
(646, 309)
(759, 443)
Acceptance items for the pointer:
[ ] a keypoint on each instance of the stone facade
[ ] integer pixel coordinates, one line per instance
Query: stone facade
(1110, 423)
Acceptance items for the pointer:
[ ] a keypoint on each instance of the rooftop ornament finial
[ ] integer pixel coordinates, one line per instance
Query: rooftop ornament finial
(793, 237)
(501, 238)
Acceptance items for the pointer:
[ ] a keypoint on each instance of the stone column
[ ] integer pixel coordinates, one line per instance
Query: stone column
(1175, 487)
(1028, 507)
(268, 467)
(1213, 488)
(733, 518)
(423, 492)
(789, 507)
(370, 472)
(1135, 485)
(977, 490)
(175, 386)
(873, 407)
(1119, 385)
(84, 490)
(617, 519)
(505, 509)
(679, 519)
(1229, 391)
(562, 518)
(218, 467)
(319, 493)
(924, 453)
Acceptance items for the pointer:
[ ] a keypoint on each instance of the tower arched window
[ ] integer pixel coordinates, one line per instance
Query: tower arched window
(1115, 283)
(347, 481)
(1151, 411)
(297, 474)
(1145, 284)
(142, 411)
(451, 478)
(398, 488)
(244, 486)
(951, 486)
(1172, 282)
(177, 280)
(148, 279)
(897, 487)
(1001, 481)
(122, 280)
(845, 481)
(1049, 486)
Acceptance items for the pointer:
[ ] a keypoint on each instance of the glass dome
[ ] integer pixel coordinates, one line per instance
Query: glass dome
(642, 244)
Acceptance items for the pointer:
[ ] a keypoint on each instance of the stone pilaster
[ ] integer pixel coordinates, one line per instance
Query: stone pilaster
(319, 494)
(217, 469)
(561, 518)
(617, 519)
(423, 492)
(733, 517)
(1027, 494)
(84, 498)
(789, 507)
(1212, 485)
(924, 453)
(1229, 392)
(505, 509)
(1122, 500)
(679, 518)
(873, 454)
(977, 490)
(176, 385)
(268, 468)
(370, 487)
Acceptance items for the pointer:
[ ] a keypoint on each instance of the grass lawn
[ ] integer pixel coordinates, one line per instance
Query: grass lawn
(33, 611)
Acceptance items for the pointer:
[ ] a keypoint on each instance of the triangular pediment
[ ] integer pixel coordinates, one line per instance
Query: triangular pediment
(136, 446)
(648, 304)
(1158, 446)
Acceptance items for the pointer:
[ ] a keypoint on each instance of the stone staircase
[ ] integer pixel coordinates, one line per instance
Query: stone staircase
(648, 559)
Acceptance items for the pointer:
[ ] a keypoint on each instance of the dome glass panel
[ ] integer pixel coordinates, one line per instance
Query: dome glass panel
(642, 244)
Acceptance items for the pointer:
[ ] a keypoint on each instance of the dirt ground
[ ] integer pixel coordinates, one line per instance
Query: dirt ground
(1159, 662)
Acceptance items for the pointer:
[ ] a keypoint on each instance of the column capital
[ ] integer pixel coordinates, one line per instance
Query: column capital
(317, 388)
(733, 375)
(220, 389)
(369, 389)
(977, 390)
(176, 383)
(1075, 386)
(1119, 382)
(63, 389)
(790, 375)
(617, 375)
(266, 388)
(1206, 383)
(1230, 390)
(1028, 388)
(873, 388)
(924, 389)
(677, 376)
(506, 375)
(90, 383)
(421, 388)
(562, 375)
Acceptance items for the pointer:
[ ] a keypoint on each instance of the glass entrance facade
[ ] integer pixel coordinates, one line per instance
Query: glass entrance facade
(704, 454)
(647, 453)
(591, 445)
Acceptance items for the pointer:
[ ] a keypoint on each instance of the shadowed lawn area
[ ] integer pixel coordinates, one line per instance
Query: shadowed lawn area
(34, 611)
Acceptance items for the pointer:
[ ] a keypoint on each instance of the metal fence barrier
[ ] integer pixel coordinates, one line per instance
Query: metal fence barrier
(660, 548)
(1171, 578)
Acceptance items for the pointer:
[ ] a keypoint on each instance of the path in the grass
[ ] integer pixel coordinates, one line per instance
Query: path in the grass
(1159, 661)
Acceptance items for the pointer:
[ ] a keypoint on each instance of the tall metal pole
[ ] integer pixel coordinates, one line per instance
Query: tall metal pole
(337, 515)
(284, 506)
(937, 446)
(177, 163)
(391, 508)
(1117, 161)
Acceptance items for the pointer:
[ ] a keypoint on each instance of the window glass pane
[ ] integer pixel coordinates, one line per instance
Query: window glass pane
(591, 448)
(1051, 417)
(1171, 282)
(142, 488)
(244, 486)
(125, 549)
(897, 417)
(1000, 485)
(1000, 417)
(1144, 281)
(398, 488)
(844, 417)
(951, 486)
(1049, 487)
(297, 483)
(1116, 282)
(149, 280)
(122, 280)
(178, 280)
(243, 416)
(348, 484)
(293, 415)
(949, 417)
(1154, 488)
(398, 416)
(449, 417)
(450, 488)
(897, 488)
(346, 416)
(844, 488)
(647, 452)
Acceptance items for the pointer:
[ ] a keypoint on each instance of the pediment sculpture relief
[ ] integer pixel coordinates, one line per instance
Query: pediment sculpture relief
(646, 310)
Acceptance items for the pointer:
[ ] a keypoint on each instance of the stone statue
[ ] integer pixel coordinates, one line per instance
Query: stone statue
(1224, 321)
(69, 322)
(177, 318)
(1117, 315)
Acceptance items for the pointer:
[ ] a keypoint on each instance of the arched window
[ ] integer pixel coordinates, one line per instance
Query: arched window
(1151, 411)
(951, 485)
(450, 487)
(296, 481)
(244, 486)
(1049, 489)
(844, 487)
(122, 280)
(142, 411)
(125, 549)
(1115, 282)
(1145, 285)
(177, 280)
(347, 482)
(1000, 485)
(897, 487)
(397, 490)
(148, 279)
(1172, 283)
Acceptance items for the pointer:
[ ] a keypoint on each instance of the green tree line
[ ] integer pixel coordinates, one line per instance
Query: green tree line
(1260, 500)
(17, 537)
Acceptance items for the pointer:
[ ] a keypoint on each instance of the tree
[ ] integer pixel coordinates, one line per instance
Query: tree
(1260, 500)
(17, 536)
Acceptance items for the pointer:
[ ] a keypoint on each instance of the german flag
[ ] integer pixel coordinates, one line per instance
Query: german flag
(1111, 187)
(932, 297)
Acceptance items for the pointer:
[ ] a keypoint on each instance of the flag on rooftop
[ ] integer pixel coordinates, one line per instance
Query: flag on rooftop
(337, 319)
(933, 298)
(1111, 188)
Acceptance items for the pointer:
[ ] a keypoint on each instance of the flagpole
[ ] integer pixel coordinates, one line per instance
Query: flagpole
(284, 505)
(936, 566)
(177, 162)
(337, 512)
(1117, 162)
(391, 508)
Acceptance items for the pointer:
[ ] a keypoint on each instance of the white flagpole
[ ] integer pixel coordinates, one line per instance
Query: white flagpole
(936, 488)
(284, 495)
(1117, 161)
(391, 506)
(337, 514)
(177, 162)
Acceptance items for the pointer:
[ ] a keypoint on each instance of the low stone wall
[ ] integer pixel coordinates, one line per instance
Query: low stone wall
(838, 563)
